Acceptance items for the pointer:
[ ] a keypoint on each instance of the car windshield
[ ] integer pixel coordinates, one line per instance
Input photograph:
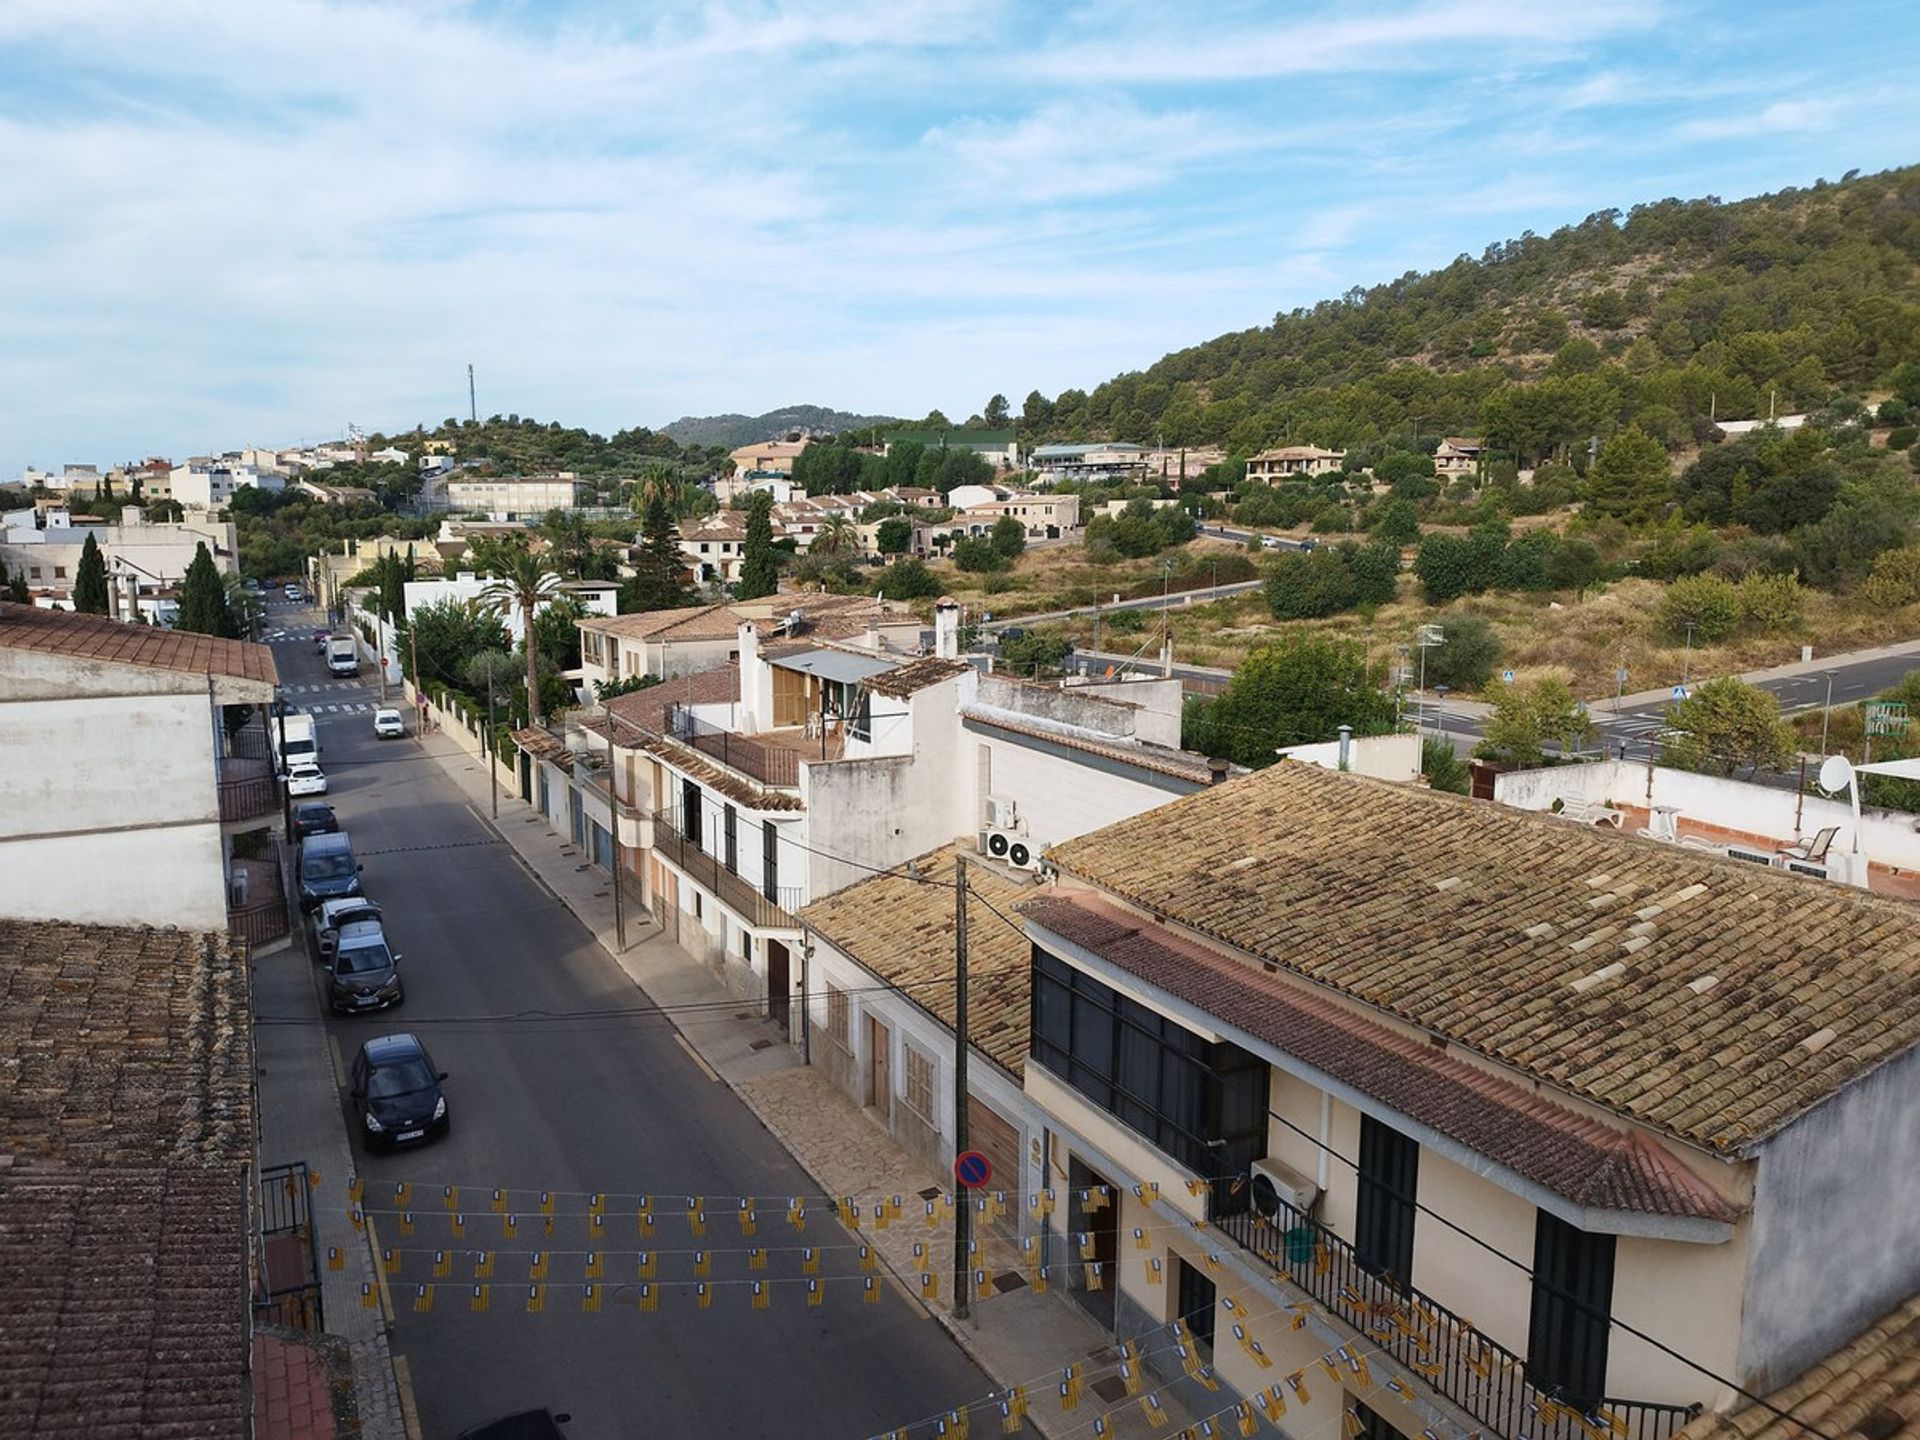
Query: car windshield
(313, 814)
(401, 1077)
(363, 960)
(326, 867)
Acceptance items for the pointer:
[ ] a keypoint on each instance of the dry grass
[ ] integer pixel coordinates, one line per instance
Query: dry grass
(1581, 642)
(1058, 577)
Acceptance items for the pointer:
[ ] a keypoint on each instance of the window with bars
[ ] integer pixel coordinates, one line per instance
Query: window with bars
(920, 1086)
(838, 1029)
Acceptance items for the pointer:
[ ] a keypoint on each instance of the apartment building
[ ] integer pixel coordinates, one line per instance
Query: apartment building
(745, 793)
(145, 560)
(206, 484)
(767, 457)
(1292, 462)
(595, 597)
(1043, 517)
(1435, 1118)
(142, 832)
(715, 547)
(666, 643)
(513, 497)
(1106, 460)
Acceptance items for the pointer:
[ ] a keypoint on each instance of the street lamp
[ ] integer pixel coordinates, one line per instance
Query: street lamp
(1429, 636)
(1686, 660)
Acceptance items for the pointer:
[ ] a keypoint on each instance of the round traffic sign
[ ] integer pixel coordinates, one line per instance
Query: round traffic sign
(972, 1169)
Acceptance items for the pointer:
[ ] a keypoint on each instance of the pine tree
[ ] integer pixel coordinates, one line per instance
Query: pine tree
(759, 568)
(203, 599)
(1629, 477)
(90, 580)
(658, 581)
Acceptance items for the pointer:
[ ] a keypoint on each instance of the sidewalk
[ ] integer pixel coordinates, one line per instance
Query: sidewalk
(1017, 1336)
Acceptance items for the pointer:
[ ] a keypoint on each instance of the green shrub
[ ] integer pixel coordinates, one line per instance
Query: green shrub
(1467, 655)
(1308, 585)
(1706, 603)
(1902, 437)
(1376, 572)
(1394, 522)
(1443, 767)
(1770, 601)
(1895, 580)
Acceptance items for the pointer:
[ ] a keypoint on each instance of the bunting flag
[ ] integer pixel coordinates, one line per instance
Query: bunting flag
(537, 1269)
(648, 1298)
(483, 1265)
(405, 1222)
(1214, 1262)
(868, 1260)
(982, 1286)
(643, 1223)
(870, 1290)
(597, 1203)
(757, 1258)
(703, 1296)
(1086, 1243)
(797, 1216)
(536, 1299)
(1013, 1410)
(1244, 1418)
(1095, 1279)
(921, 1259)
(546, 1202)
(499, 1202)
(402, 1195)
(457, 1226)
(762, 1295)
(357, 1218)
(590, 1300)
(1100, 1426)
(1273, 1403)
(1155, 1412)
(510, 1227)
(1037, 1279)
(1071, 1383)
(810, 1261)
(696, 1216)
(1130, 1377)
(1196, 1188)
(596, 1227)
(929, 1287)
(368, 1300)
(356, 1189)
(847, 1212)
(1297, 1383)
(480, 1298)
(596, 1267)
(749, 1220)
(390, 1261)
(1140, 1240)
(1234, 1307)
(702, 1264)
(335, 1259)
(1352, 1424)
(644, 1265)
(442, 1264)
(816, 1293)
(1197, 1369)
(1153, 1271)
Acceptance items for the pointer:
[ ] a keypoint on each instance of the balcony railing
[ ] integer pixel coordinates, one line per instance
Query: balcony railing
(735, 891)
(1483, 1378)
(769, 764)
(248, 797)
(262, 916)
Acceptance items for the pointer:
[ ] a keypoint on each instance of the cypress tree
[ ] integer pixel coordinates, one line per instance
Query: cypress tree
(759, 569)
(203, 598)
(90, 580)
(657, 582)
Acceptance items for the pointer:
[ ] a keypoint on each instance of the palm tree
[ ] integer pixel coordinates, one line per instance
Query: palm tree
(522, 581)
(837, 535)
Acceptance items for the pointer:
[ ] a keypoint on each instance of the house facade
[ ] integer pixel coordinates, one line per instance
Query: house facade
(514, 498)
(142, 833)
(1456, 456)
(1450, 1120)
(146, 562)
(1291, 462)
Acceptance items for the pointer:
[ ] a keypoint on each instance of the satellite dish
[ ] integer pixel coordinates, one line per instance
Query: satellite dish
(1836, 773)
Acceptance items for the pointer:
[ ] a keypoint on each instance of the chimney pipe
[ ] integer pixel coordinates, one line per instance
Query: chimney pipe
(1217, 769)
(1346, 747)
(946, 628)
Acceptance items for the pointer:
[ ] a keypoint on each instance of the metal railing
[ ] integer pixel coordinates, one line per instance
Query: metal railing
(264, 916)
(287, 1283)
(248, 797)
(769, 764)
(735, 891)
(1474, 1373)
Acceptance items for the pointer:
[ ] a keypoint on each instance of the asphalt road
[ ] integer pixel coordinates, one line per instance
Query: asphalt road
(597, 1103)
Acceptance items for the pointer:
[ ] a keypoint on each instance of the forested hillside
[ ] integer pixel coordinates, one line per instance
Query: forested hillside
(1659, 317)
(518, 445)
(732, 431)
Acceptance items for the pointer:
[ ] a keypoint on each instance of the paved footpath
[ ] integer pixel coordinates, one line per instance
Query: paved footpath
(1017, 1337)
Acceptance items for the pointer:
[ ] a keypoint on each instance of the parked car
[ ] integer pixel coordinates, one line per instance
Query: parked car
(388, 725)
(527, 1425)
(396, 1092)
(328, 870)
(332, 915)
(304, 777)
(293, 592)
(320, 638)
(363, 972)
(315, 817)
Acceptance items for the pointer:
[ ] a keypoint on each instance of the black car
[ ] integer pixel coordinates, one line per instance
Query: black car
(363, 972)
(527, 1425)
(396, 1092)
(311, 817)
(328, 870)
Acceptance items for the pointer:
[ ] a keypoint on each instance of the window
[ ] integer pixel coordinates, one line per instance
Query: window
(591, 646)
(1572, 1299)
(862, 725)
(730, 825)
(770, 861)
(59, 572)
(1383, 1222)
(837, 1027)
(919, 1083)
(1202, 1102)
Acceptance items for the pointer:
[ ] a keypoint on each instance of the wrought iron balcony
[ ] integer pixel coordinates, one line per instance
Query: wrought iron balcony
(769, 764)
(757, 908)
(1463, 1366)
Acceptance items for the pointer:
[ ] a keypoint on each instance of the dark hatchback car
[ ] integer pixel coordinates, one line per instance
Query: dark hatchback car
(527, 1425)
(314, 818)
(363, 972)
(396, 1092)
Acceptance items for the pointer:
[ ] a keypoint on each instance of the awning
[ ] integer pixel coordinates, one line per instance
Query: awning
(1898, 769)
(836, 665)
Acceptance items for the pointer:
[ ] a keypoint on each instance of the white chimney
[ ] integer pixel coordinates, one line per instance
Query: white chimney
(946, 628)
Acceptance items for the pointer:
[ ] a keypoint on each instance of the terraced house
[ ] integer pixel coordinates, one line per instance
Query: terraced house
(1521, 1130)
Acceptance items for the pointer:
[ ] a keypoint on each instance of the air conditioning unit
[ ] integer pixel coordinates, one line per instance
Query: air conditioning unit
(1013, 849)
(1003, 814)
(1274, 1183)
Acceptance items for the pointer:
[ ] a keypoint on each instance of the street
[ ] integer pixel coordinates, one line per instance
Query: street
(562, 1078)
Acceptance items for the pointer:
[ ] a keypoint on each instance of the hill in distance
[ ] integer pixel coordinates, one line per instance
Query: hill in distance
(1654, 317)
(731, 431)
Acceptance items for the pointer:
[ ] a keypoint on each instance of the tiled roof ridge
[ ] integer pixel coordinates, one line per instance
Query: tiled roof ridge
(1162, 759)
(1608, 1159)
(119, 642)
(917, 674)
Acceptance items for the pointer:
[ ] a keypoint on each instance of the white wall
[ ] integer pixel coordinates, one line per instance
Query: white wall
(122, 831)
(1384, 757)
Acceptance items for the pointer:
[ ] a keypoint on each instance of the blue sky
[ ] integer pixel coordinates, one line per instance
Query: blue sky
(227, 224)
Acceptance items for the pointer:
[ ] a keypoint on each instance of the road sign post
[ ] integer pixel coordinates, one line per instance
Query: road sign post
(972, 1169)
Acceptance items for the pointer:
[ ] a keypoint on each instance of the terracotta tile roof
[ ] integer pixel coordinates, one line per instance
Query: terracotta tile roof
(122, 1045)
(725, 782)
(646, 709)
(1161, 759)
(696, 622)
(1476, 922)
(544, 745)
(903, 933)
(1868, 1390)
(126, 1300)
(95, 637)
(917, 675)
(125, 1126)
(1595, 1165)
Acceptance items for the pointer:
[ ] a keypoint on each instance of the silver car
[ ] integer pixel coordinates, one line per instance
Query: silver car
(332, 914)
(364, 972)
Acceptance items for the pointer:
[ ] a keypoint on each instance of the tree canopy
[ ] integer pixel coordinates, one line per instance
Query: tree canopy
(1299, 688)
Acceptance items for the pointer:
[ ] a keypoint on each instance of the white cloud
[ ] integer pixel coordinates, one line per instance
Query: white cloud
(1781, 117)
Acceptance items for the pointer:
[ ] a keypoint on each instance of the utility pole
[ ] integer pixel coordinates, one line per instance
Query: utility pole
(962, 1210)
(1096, 629)
(473, 409)
(1826, 714)
(486, 745)
(280, 766)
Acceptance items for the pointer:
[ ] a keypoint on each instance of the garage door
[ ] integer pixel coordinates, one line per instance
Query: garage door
(999, 1141)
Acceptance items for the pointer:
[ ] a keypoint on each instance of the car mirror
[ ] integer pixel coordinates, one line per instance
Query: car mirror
(359, 868)
(441, 1076)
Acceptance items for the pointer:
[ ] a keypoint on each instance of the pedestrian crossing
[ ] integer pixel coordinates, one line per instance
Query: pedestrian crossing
(364, 707)
(320, 685)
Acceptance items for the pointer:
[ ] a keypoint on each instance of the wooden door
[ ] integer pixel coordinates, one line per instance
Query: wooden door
(779, 1005)
(880, 1069)
(999, 1141)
